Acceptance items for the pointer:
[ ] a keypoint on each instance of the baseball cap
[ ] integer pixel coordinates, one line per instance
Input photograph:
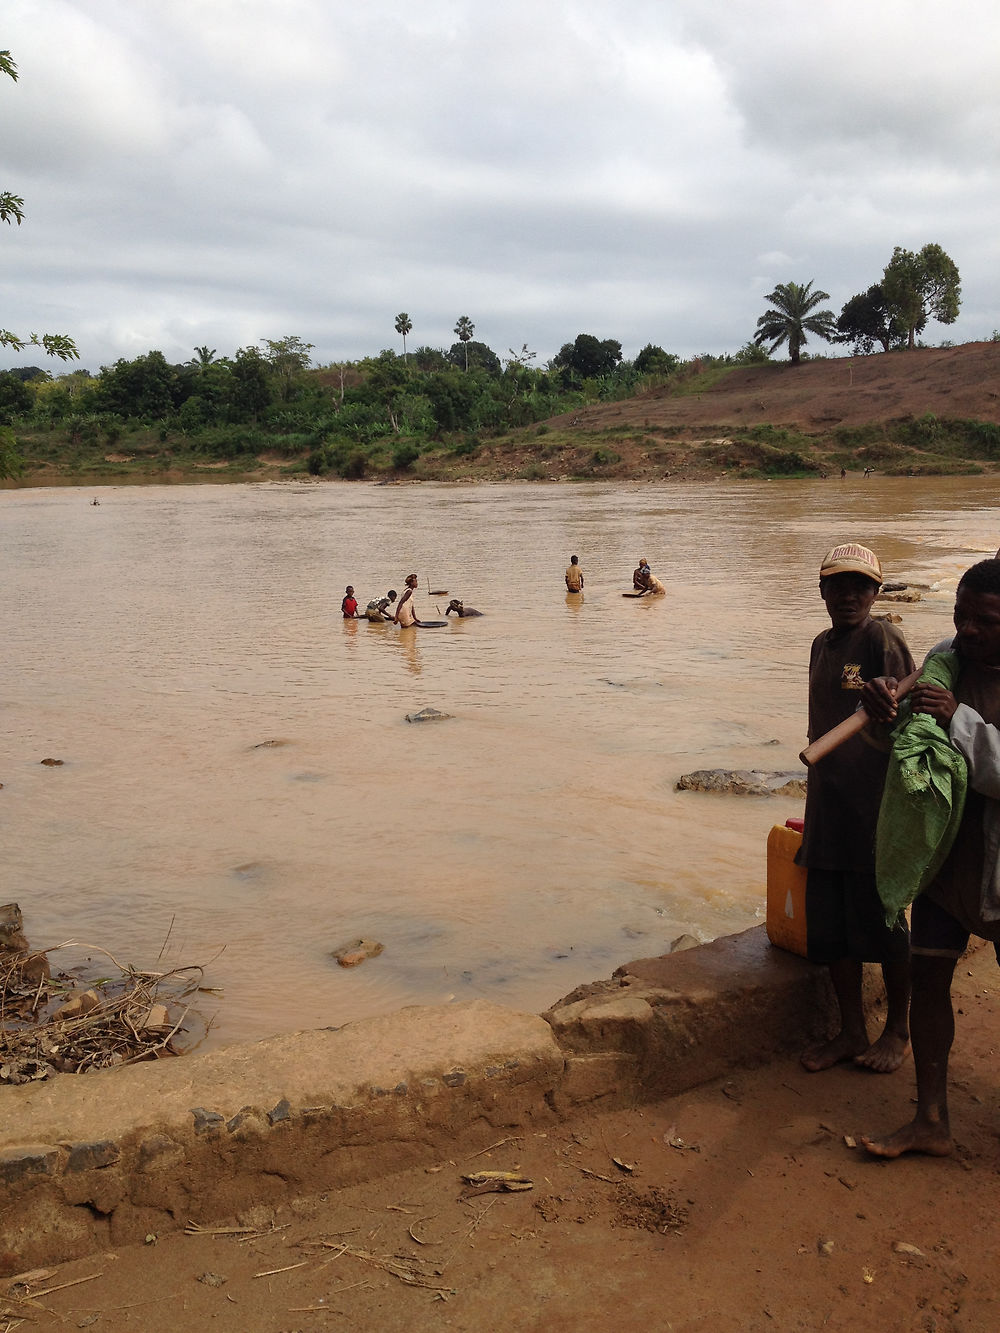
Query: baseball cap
(851, 559)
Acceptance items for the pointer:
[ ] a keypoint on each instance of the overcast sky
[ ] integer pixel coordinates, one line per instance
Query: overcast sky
(218, 172)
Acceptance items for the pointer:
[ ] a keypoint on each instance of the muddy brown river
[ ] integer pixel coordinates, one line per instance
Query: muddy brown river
(240, 788)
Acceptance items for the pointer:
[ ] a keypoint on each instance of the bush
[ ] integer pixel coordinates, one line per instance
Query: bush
(353, 469)
(404, 456)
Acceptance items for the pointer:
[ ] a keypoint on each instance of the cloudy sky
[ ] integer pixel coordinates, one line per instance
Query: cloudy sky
(224, 171)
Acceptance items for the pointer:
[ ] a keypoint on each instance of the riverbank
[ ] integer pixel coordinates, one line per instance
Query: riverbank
(929, 411)
(720, 1192)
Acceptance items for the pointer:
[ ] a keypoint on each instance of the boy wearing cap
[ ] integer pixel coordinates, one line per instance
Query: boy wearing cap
(844, 914)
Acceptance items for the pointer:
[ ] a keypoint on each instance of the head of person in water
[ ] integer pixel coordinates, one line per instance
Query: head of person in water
(411, 580)
(349, 591)
(391, 594)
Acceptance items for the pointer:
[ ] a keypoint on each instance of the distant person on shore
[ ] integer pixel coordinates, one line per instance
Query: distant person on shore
(845, 918)
(405, 615)
(574, 575)
(377, 610)
(349, 606)
(460, 609)
(963, 898)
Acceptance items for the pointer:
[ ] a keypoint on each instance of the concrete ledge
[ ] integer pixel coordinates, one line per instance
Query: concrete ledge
(106, 1158)
(692, 1016)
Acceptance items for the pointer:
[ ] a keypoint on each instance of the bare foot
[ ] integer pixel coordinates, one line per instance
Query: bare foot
(885, 1055)
(826, 1054)
(924, 1136)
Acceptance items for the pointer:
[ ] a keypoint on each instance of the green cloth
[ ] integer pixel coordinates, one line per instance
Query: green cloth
(923, 799)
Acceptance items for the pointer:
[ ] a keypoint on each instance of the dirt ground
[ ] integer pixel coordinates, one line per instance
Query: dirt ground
(738, 1206)
(956, 382)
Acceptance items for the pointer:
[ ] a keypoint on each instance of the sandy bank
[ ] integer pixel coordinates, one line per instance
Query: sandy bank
(114, 1156)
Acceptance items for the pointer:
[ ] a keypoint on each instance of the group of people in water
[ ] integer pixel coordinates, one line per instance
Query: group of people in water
(644, 581)
(395, 610)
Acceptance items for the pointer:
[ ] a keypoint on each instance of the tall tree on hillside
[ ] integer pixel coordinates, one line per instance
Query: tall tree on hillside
(465, 329)
(921, 286)
(587, 356)
(403, 326)
(794, 314)
(865, 320)
(56, 344)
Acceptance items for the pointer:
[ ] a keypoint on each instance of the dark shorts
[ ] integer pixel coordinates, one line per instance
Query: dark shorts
(935, 933)
(845, 919)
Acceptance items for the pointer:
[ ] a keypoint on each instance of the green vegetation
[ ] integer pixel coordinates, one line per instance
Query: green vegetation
(380, 415)
(919, 287)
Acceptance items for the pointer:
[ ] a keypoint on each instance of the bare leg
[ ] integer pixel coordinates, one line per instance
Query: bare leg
(888, 1052)
(932, 1021)
(852, 1039)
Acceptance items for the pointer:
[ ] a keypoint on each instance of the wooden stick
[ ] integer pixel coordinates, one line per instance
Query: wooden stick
(843, 731)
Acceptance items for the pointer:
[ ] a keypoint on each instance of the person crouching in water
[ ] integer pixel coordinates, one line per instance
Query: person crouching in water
(460, 609)
(405, 615)
(845, 919)
(377, 610)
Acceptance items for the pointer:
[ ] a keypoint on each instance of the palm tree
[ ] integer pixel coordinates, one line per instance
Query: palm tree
(794, 315)
(403, 325)
(202, 359)
(465, 329)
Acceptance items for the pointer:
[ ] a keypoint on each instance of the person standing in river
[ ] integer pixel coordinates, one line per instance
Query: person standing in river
(405, 615)
(574, 575)
(845, 920)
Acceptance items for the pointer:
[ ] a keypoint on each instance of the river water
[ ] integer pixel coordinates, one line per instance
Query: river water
(156, 641)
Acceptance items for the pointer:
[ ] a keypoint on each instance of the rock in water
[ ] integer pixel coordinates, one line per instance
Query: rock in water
(427, 715)
(358, 951)
(743, 782)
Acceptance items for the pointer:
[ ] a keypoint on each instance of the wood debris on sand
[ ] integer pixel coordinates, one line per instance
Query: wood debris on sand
(76, 1021)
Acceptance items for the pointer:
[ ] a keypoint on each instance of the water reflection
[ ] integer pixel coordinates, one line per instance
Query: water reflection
(532, 842)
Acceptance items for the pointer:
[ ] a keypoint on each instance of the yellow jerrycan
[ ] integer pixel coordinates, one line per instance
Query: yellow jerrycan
(786, 889)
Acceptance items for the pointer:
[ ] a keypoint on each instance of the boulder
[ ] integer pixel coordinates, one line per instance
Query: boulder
(743, 782)
(428, 715)
(358, 951)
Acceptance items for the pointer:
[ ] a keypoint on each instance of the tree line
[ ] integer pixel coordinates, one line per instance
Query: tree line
(382, 411)
(915, 287)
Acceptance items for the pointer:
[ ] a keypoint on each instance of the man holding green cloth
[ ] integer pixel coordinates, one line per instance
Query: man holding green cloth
(963, 895)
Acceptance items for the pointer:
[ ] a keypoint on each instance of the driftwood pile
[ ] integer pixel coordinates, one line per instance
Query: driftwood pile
(60, 1023)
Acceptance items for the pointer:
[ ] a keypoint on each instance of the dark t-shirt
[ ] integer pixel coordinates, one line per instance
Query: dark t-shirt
(844, 790)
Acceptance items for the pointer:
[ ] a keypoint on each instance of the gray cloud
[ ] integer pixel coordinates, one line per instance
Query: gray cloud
(228, 172)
